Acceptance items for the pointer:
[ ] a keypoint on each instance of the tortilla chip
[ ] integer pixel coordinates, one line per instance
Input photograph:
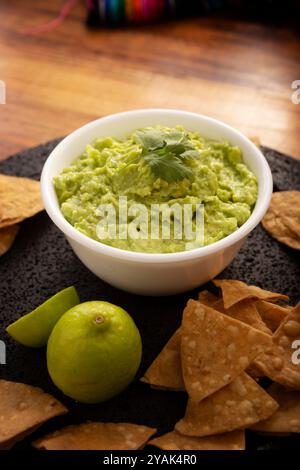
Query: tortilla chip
(215, 349)
(207, 298)
(276, 363)
(97, 436)
(219, 305)
(272, 314)
(165, 372)
(282, 220)
(254, 372)
(238, 405)
(234, 291)
(246, 312)
(256, 140)
(7, 237)
(19, 198)
(22, 409)
(174, 441)
(287, 418)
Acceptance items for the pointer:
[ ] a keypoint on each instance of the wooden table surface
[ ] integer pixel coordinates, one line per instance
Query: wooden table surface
(238, 72)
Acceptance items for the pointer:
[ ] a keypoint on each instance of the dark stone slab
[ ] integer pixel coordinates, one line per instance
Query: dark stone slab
(41, 263)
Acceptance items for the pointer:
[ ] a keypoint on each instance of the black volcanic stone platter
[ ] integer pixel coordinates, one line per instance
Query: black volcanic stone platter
(41, 263)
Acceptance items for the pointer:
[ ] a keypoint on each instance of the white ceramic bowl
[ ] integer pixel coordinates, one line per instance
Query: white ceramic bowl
(146, 273)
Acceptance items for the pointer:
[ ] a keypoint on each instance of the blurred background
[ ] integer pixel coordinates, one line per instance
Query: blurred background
(67, 62)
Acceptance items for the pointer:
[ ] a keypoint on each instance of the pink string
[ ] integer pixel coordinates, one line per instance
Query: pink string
(63, 14)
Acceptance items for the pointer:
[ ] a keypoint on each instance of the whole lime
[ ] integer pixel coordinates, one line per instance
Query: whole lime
(94, 351)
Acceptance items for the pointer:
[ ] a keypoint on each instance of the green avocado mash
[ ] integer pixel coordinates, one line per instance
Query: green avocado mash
(157, 165)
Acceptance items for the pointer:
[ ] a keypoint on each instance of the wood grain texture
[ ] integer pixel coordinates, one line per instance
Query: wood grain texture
(238, 72)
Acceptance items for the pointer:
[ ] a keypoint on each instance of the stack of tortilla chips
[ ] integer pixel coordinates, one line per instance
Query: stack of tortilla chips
(224, 345)
(19, 199)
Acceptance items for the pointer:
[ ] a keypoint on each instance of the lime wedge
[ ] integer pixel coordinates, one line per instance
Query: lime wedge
(33, 329)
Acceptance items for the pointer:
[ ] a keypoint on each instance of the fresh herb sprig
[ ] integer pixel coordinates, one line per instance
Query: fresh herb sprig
(167, 153)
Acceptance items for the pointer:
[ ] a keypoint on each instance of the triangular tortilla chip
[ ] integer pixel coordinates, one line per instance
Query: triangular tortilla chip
(19, 198)
(272, 314)
(215, 349)
(277, 363)
(97, 436)
(236, 406)
(174, 441)
(234, 291)
(287, 418)
(282, 219)
(22, 409)
(207, 298)
(219, 305)
(254, 372)
(7, 237)
(165, 372)
(246, 312)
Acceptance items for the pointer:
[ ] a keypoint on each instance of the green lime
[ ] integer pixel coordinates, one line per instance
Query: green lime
(94, 351)
(34, 329)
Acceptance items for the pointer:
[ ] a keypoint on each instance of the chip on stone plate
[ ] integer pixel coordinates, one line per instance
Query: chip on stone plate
(234, 440)
(23, 408)
(20, 198)
(215, 349)
(287, 418)
(237, 406)
(254, 372)
(246, 312)
(234, 291)
(282, 219)
(272, 314)
(278, 362)
(165, 372)
(7, 237)
(207, 298)
(97, 436)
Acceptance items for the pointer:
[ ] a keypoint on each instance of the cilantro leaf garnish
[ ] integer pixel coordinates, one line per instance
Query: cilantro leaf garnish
(150, 140)
(168, 167)
(167, 153)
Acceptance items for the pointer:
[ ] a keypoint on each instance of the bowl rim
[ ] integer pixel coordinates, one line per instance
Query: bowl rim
(71, 232)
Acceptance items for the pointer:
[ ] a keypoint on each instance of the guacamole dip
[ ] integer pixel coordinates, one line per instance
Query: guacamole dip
(151, 167)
